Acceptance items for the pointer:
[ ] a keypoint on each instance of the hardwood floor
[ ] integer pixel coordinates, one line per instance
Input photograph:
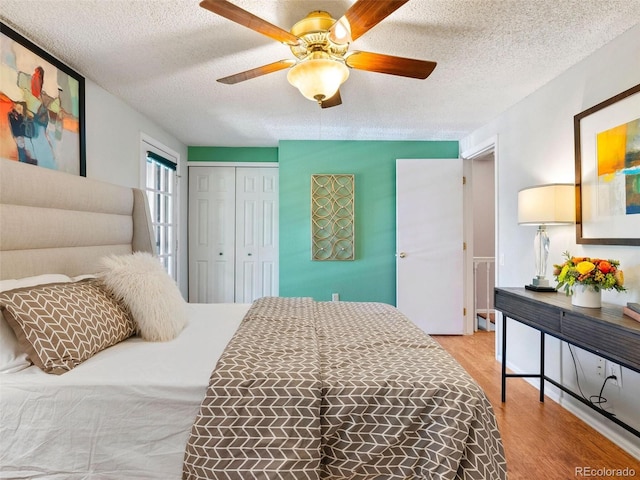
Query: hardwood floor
(541, 440)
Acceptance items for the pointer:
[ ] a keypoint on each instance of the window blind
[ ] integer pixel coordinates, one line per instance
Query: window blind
(161, 160)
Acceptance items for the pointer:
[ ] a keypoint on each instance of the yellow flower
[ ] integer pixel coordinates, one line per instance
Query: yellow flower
(619, 276)
(585, 267)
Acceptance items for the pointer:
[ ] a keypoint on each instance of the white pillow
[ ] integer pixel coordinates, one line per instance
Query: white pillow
(12, 357)
(141, 283)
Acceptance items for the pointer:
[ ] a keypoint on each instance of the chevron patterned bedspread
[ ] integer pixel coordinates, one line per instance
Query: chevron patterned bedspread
(340, 390)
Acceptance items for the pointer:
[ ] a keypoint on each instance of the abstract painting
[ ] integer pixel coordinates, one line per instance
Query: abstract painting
(618, 158)
(607, 143)
(41, 107)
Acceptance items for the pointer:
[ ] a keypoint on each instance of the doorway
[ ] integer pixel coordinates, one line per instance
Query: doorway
(483, 193)
(481, 227)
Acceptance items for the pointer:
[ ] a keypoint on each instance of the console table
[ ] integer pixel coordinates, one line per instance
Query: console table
(604, 331)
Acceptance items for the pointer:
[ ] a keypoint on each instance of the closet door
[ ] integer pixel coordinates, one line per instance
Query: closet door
(233, 234)
(212, 234)
(256, 233)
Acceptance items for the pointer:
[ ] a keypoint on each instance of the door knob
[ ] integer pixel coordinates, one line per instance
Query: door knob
(402, 255)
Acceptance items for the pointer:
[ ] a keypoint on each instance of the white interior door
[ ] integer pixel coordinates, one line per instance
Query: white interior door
(233, 233)
(256, 233)
(211, 234)
(429, 243)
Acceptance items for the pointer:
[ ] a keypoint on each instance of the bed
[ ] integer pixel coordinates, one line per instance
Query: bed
(300, 389)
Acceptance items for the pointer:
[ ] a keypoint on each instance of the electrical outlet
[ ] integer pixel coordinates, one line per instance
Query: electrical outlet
(335, 297)
(600, 367)
(613, 369)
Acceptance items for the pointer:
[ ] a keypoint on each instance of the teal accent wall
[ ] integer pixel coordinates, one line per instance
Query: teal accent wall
(371, 276)
(232, 154)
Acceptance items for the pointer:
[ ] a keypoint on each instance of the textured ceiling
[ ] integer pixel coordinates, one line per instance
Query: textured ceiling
(162, 57)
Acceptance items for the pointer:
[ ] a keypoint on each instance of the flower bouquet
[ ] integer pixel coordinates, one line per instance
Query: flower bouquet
(591, 272)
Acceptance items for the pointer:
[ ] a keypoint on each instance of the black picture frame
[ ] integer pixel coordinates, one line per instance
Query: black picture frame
(593, 227)
(58, 116)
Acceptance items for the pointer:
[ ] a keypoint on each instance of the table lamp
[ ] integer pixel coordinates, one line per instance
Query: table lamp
(540, 206)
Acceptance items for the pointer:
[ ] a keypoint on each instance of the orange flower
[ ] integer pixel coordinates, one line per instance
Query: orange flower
(604, 267)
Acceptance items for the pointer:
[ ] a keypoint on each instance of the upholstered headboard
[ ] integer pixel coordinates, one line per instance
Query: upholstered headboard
(54, 222)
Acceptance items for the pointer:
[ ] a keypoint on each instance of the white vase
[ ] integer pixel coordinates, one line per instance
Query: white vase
(586, 296)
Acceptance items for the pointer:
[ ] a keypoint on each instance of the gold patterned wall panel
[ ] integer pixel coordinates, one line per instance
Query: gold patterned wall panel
(332, 217)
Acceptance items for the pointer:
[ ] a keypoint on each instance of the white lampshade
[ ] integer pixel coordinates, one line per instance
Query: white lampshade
(552, 204)
(318, 77)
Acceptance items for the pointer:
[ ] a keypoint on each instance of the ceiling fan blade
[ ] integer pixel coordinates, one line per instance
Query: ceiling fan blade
(257, 72)
(333, 101)
(377, 62)
(236, 14)
(361, 17)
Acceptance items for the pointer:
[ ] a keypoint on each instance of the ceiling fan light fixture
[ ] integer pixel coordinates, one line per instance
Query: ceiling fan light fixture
(318, 77)
(320, 45)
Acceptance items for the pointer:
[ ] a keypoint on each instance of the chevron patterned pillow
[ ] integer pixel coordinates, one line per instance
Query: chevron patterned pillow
(12, 357)
(61, 325)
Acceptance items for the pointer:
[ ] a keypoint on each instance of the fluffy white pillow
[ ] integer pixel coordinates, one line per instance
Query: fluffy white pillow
(141, 283)
(13, 358)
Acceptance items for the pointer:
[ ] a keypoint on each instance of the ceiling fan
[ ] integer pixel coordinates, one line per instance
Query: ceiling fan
(321, 46)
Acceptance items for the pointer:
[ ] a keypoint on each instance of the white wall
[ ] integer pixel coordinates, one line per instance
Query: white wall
(535, 146)
(113, 137)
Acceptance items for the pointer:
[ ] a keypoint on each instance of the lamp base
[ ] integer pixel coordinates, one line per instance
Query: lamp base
(540, 288)
(540, 282)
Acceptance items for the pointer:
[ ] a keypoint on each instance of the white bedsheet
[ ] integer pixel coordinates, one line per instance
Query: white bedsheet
(123, 414)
